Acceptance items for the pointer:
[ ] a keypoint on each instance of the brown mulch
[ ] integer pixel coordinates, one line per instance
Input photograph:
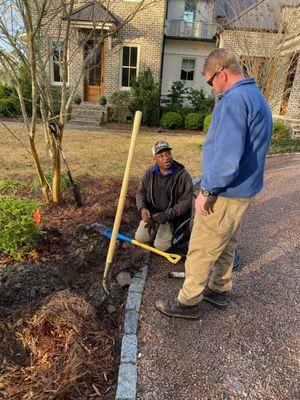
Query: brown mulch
(60, 335)
(70, 355)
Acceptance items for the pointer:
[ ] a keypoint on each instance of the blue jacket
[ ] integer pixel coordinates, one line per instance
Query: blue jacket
(237, 142)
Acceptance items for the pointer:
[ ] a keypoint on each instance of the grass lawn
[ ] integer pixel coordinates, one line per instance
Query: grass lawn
(284, 146)
(104, 154)
(98, 154)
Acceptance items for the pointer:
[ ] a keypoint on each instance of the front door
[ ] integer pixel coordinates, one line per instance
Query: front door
(94, 72)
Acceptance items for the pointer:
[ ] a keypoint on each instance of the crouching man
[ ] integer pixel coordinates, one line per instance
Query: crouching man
(164, 198)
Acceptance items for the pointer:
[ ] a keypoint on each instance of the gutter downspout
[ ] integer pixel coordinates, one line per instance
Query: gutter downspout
(162, 53)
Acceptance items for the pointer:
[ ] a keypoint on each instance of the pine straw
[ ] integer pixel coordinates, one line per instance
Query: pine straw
(69, 353)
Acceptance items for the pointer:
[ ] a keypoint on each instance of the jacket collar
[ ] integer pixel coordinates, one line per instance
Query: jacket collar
(245, 81)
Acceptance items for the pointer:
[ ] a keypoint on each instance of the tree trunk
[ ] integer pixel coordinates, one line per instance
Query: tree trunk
(56, 181)
(56, 168)
(43, 183)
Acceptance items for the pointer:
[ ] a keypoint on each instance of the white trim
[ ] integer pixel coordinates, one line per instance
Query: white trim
(53, 82)
(121, 63)
(91, 25)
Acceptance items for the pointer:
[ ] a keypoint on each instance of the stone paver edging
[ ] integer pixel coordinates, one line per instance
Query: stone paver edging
(127, 378)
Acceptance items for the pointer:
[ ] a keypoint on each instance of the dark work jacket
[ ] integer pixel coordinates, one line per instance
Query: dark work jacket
(181, 195)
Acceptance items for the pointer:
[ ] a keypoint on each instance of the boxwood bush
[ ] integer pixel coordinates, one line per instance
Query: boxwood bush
(280, 131)
(194, 121)
(207, 122)
(19, 232)
(171, 120)
(9, 103)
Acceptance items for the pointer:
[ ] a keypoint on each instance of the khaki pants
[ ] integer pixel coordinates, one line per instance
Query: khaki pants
(211, 250)
(162, 237)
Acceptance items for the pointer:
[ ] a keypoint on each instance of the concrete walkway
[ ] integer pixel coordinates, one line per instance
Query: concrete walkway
(249, 350)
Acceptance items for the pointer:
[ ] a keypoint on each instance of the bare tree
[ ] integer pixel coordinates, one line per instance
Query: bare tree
(257, 34)
(25, 41)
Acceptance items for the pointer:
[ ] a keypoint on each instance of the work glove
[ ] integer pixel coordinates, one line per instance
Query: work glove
(150, 226)
(160, 218)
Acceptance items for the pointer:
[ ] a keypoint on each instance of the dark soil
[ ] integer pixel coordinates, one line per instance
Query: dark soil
(69, 263)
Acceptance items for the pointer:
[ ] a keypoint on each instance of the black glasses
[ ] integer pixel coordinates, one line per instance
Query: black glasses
(211, 79)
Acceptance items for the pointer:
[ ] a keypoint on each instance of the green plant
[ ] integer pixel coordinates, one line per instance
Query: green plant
(207, 122)
(10, 186)
(145, 97)
(25, 80)
(194, 121)
(278, 146)
(171, 120)
(19, 232)
(9, 104)
(280, 131)
(64, 181)
(176, 96)
(119, 106)
(199, 101)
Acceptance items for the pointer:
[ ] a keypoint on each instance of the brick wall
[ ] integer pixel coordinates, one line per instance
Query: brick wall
(293, 108)
(265, 44)
(260, 44)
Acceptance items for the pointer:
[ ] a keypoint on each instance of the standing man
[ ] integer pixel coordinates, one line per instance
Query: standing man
(233, 165)
(164, 198)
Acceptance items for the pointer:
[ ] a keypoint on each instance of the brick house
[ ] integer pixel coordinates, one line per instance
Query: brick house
(268, 34)
(173, 38)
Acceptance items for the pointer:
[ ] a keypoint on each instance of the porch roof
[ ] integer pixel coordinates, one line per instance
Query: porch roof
(94, 13)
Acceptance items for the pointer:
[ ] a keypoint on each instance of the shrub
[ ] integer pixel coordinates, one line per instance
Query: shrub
(171, 120)
(207, 122)
(25, 79)
(19, 232)
(194, 121)
(64, 181)
(199, 101)
(280, 131)
(145, 97)
(10, 186)
(119, 106)
(9, 103)
(176, 96)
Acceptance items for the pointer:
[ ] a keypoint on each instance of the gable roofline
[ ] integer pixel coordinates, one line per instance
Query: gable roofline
(75, 16)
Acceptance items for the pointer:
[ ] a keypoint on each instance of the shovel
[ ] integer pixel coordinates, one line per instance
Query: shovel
(53, 129)
(105, 231)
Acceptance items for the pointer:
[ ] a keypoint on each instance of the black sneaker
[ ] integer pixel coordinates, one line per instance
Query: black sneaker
(219, 300)
(173, 308)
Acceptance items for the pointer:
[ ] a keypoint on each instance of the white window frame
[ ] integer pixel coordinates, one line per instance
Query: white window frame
(121, 63)
(52, 62)
(195, 68)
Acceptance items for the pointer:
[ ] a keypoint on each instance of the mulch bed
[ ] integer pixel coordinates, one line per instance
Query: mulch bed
(60, 335)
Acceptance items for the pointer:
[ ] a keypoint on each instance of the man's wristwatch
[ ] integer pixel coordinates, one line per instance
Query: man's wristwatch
(205, 192)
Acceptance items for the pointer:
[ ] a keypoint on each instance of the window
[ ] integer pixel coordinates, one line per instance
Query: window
(57, 62)
(189, 11)
(129, 65)
(187, 69)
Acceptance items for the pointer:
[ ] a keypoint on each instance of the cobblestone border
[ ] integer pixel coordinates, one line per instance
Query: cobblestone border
(127, 377)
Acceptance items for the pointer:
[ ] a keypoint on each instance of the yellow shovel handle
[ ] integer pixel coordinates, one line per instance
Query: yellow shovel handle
(173, 258)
